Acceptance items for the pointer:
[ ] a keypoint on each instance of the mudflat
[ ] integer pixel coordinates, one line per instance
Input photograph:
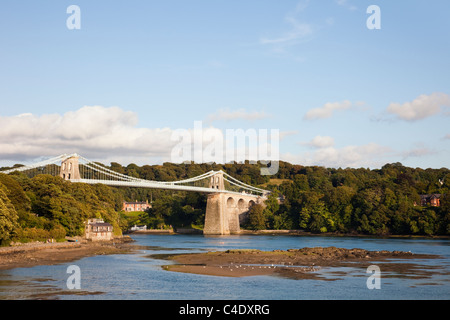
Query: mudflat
(305, 263)
(30, 255)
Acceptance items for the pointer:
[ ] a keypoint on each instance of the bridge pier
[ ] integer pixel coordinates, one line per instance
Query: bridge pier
(216, 217)
(225, 212)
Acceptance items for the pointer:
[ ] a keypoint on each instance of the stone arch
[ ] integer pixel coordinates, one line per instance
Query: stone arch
(243, 211)
(251, 203)
(241, 204)
(230, 202)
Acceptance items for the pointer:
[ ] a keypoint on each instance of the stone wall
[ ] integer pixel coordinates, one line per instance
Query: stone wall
(225, 212)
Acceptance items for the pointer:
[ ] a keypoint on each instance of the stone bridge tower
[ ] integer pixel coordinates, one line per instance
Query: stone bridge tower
(70, 169)
(217, 181)
(216, 218)
(225, 211)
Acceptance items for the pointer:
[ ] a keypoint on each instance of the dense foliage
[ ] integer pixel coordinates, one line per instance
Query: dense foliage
(384, 201)
(316, 199)
(46, 207)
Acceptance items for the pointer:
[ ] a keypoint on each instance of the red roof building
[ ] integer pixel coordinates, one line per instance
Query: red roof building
(136, 206)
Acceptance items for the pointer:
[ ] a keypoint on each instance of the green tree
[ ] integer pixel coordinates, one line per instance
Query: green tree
(271, 210)
(8, 217)
(444, 214)
(256, 218)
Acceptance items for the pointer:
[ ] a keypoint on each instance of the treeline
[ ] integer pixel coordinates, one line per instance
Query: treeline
(317, 199)
(385, 201)
(378, 202)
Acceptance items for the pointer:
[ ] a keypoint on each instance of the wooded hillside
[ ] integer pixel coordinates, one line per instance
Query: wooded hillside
(317, 199)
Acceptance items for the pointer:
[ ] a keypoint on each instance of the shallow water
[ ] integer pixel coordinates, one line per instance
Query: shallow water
(140, 276)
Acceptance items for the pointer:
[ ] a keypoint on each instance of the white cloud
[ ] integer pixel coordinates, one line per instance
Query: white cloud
(298, 30)
(371, 155)
(240, 114)
(284, 134)
(111, 134)
(93, 131)
(420, 151)
(420, 108)
(320, 142)
(326, 111)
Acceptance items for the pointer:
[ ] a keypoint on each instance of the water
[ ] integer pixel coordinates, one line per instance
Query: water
(139, 276)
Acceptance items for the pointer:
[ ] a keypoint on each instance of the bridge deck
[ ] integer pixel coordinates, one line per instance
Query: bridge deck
(155, 185)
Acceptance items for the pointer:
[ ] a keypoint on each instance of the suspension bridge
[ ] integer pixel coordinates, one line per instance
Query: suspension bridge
(229, 199)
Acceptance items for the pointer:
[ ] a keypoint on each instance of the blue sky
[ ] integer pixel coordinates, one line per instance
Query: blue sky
(340, 95)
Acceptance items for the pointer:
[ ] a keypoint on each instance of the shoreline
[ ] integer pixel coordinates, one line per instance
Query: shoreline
(332, 234)
(288, 232)
(34, 254)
